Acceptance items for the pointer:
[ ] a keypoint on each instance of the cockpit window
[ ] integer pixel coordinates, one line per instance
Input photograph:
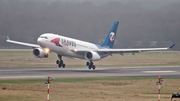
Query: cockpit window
(43, 37)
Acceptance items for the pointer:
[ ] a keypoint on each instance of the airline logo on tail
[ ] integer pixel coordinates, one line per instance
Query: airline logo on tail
(111, 36)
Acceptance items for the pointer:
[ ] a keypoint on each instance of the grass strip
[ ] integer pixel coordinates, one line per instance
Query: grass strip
(21, 81)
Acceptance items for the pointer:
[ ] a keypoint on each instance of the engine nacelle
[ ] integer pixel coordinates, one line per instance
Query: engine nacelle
(93, 56)
(40, 53)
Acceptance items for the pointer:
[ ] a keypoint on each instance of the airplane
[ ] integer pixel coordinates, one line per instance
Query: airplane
(73, 48)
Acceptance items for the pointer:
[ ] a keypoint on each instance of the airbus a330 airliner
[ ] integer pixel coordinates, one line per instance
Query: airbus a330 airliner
(69, 47)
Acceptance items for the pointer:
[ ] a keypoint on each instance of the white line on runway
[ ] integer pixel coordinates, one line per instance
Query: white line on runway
(18, 77)
(91, 69)
(145, 69)
(151, 67)
(159, 71)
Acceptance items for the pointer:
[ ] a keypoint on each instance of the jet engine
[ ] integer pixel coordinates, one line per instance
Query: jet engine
(40, 53)
(93, 56)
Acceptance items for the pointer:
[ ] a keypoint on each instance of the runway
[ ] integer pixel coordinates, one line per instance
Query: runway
(147, 71)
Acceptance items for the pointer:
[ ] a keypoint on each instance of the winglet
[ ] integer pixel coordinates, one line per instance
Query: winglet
(8, 38)
(171, 46)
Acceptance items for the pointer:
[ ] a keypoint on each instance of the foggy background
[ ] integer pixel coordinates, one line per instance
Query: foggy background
(142, 23)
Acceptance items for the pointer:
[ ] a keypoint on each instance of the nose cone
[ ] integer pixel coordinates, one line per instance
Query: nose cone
(40, 42)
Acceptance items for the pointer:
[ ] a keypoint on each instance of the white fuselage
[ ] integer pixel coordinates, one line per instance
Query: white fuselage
(64, 45)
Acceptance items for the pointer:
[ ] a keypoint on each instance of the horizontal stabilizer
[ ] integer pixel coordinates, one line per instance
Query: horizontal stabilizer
(172, 46)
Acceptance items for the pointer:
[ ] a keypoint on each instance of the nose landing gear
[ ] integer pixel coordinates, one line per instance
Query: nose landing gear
(91, 65)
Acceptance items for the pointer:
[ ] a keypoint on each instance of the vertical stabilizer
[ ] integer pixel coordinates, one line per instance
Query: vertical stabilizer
(110, 38)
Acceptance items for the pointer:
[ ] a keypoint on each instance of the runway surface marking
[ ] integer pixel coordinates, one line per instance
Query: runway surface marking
(147, 71)
(21, 77)
(91, 69)
(151, 67)
(159, 71)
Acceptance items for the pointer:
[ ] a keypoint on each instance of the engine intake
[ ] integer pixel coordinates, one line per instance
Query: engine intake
(40, 53)
(92, 56)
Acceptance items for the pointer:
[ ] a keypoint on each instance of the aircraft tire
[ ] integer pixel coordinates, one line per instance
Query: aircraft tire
(63, 65)
(87, 63)
(94, 67)
(59, 65)
(89, 67)
(57, 62)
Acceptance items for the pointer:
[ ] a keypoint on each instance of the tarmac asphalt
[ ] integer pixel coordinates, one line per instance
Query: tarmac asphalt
(146, 71)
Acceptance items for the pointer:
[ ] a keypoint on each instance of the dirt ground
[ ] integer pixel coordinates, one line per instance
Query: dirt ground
(100, 90)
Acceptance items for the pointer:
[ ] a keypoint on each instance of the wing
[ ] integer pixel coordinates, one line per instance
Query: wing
(22, 43)
(121, 51)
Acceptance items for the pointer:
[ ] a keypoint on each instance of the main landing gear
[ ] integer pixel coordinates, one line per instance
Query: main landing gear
(60, 62)
(90, 65)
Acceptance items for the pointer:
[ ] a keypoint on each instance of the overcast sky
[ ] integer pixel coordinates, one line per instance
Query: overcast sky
(150, 4)
(142, 23)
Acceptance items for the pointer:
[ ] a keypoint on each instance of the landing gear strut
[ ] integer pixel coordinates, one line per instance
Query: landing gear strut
(90, 65)
(60, 62)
